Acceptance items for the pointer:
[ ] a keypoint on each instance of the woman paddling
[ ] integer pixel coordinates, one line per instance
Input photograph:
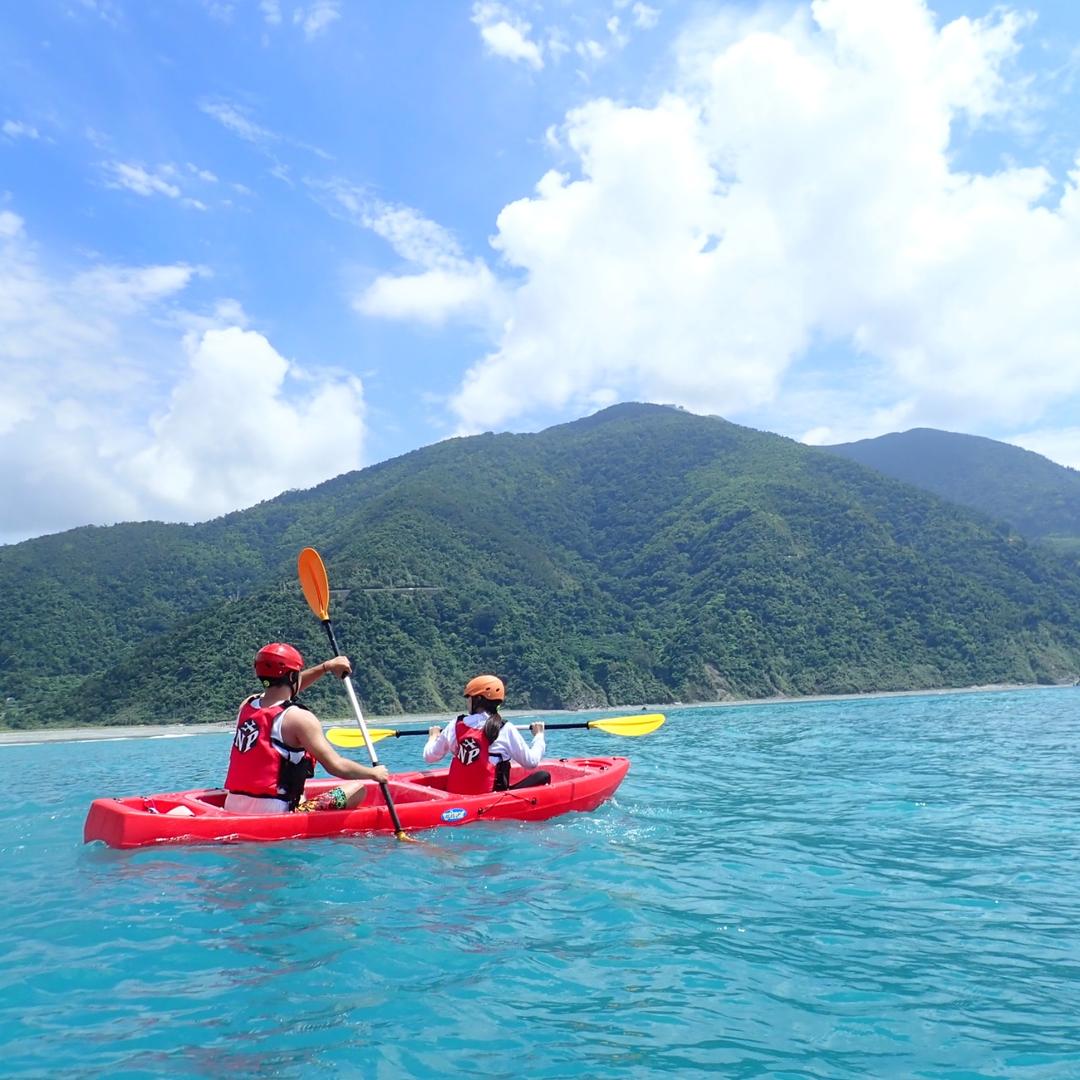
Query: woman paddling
(484, 744)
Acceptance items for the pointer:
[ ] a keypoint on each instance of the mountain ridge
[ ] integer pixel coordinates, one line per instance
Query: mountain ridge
(642, 554)
(1038, 497)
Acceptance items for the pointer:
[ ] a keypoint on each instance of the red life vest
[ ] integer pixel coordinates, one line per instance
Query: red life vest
(260, 764)
(472, 772)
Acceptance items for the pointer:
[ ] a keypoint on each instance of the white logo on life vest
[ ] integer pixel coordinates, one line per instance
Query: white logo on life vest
(247, 735)
(468, 751)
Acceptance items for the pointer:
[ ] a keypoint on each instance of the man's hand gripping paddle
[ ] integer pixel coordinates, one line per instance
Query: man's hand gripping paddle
(316, 586)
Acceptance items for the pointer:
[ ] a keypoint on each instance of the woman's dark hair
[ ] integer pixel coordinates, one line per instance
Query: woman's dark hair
(494, 721)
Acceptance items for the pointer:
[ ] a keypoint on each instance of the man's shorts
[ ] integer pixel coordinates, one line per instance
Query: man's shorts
(334, 799)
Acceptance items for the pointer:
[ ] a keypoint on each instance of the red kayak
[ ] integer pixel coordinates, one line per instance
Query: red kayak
(420, 798)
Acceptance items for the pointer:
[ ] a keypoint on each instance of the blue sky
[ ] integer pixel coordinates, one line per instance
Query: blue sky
(246, 245)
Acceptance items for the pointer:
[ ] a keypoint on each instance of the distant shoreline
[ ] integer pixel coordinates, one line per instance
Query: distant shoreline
(175, 731)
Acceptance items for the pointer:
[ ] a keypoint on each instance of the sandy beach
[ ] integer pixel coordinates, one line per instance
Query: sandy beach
(174, 731)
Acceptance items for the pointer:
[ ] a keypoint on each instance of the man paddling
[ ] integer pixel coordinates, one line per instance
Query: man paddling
(278, 741)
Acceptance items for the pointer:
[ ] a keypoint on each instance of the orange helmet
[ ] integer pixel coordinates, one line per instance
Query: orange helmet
(486, 686)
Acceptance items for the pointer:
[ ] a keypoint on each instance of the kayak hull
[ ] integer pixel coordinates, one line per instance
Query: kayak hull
(420, 799)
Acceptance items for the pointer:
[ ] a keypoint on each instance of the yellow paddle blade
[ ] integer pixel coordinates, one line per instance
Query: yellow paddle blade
(630, 725)
(350, 738)
(314, 582)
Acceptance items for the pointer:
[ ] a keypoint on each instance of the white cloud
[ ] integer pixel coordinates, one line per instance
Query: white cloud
(122, 290)
(434, 296)
(52, 324)
(618, 36)
(121, 405)
(219, 11)
(645, 17)
(593, 34)
(203, 174)
(16, 129)
(237, 431)
(591, 49)
(107, 10)
(136, 178)
(315, 19)
(98, 139)
(10, 224)
(798, 186)
(224, 315)
(505, 34)
(165, 180)
(235, 119)
(448, 285)
(1058, 444)
(557, 45)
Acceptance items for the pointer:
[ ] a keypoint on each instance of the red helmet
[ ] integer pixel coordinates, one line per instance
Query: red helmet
(486, 686)
(276, 660)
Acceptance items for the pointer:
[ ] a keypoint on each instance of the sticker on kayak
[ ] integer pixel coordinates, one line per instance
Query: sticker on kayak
(459, 813)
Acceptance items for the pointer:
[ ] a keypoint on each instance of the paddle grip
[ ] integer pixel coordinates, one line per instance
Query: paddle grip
(350, 690)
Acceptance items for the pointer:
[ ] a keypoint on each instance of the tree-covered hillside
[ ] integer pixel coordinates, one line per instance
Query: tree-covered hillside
(643, 554)
(1036, 496)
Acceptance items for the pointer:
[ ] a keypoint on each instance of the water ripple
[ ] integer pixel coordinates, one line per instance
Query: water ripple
(874, 887)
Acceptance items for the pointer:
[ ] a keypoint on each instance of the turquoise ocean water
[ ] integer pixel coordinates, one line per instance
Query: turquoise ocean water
(881, 887)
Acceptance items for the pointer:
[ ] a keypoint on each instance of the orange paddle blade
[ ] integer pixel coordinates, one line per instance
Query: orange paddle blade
(314, 582)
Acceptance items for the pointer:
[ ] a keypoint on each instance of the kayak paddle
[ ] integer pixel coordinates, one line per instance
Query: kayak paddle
(316, 586)
(617, 725)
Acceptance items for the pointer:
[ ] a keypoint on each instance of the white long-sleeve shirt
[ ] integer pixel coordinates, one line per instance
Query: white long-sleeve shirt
(508, 746)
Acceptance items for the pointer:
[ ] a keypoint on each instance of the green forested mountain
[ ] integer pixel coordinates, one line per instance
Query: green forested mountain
(642, 554)
(1036, 496)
